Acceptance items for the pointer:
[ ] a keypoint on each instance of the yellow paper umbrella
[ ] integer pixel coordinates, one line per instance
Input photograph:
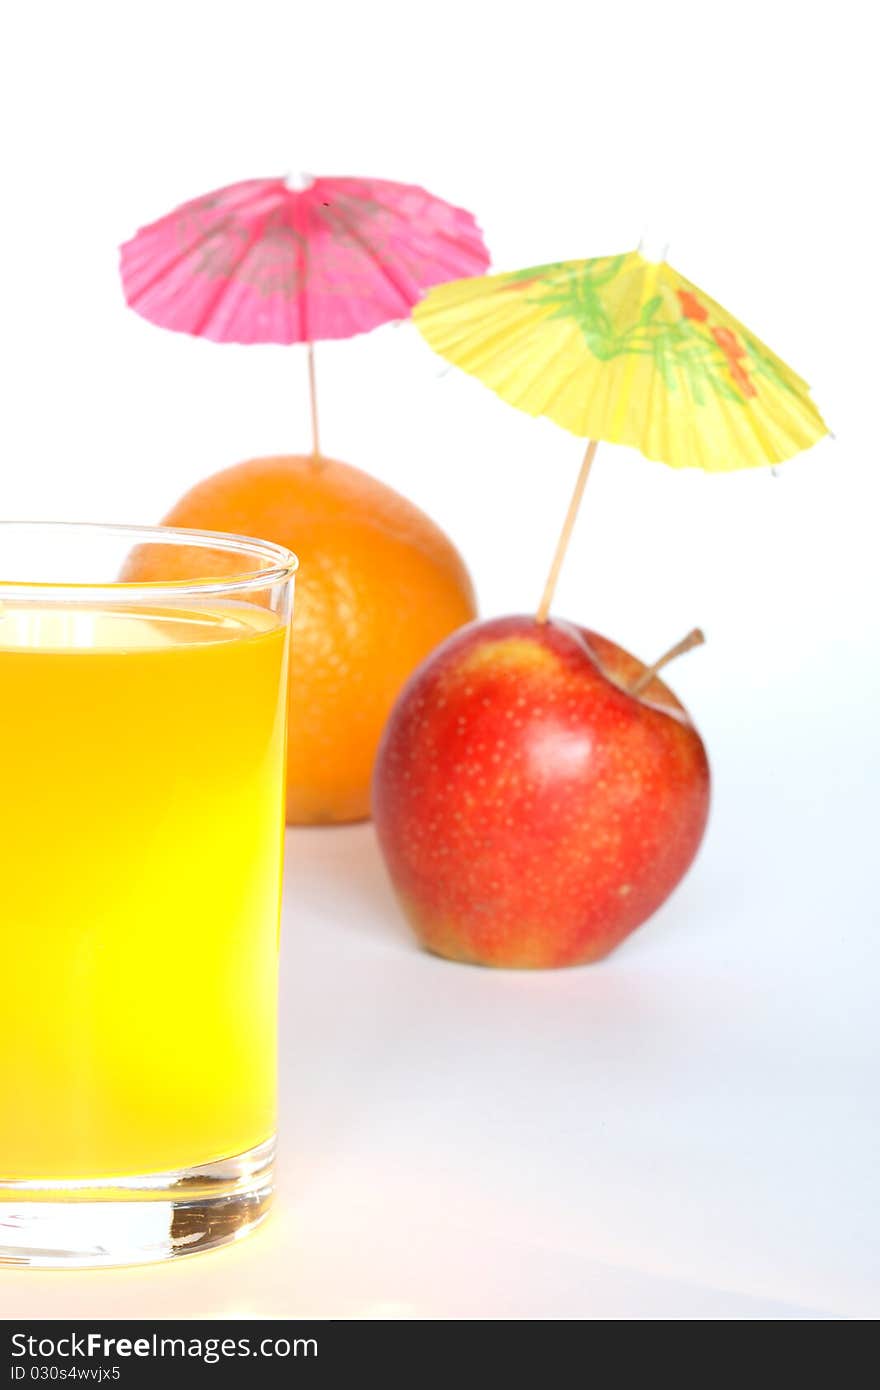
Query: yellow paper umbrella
(626, 350)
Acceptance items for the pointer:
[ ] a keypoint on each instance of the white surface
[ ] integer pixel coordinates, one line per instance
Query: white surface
(686, 1131)
(690, 1128)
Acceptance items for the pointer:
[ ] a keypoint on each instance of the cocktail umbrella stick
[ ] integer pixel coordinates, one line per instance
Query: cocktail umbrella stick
(565, 536)
(313, 402)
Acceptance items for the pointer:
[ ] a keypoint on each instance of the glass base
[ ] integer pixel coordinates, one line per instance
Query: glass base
(128, 1221)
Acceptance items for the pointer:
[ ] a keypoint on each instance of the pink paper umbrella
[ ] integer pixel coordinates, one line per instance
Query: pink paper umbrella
(265, 261)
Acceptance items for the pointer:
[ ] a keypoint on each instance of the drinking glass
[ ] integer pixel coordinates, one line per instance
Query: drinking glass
(143, 703)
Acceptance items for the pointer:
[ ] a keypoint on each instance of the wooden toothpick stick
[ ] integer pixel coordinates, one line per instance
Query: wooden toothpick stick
(565, 536)
(694, 638)
(313, 401)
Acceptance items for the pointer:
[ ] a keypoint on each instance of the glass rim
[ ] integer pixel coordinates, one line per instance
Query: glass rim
(279, 563)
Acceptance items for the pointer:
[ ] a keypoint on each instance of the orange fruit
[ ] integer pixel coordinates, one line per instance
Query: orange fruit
(379, 585)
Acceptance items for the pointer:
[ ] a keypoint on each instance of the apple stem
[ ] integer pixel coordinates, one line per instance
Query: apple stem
(695, 638)
(565, 535)
(313, 403)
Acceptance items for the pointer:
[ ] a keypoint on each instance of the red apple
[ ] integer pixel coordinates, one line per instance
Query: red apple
(531, 809)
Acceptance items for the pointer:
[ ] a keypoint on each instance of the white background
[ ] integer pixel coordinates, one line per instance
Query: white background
(691, 1128)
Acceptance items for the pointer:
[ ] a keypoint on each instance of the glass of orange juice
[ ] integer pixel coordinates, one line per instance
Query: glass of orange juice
(142, 750)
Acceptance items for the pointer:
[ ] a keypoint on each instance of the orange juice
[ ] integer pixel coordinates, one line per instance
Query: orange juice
(141, 793)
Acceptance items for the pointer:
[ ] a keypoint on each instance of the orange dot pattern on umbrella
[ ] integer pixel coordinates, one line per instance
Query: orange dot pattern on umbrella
(726, 339)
